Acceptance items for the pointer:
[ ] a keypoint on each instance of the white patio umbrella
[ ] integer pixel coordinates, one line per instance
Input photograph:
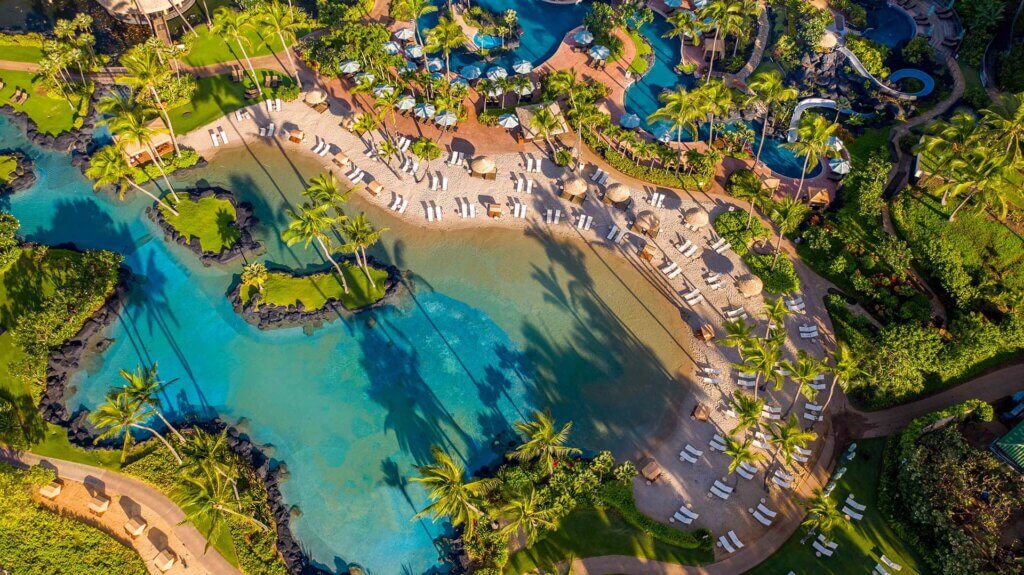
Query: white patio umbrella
(392, 47)
(350, 66)
(526, 89)
(425, 110)
(835, 143)
(673, 3)
(365, 77)
(508, 121)
(495, 91)
(583, 37)
(497, 73)
(630, 121)
(470, 72)
(699, 4)
(414, 52)
(460, 82)
(405, 103)
(839, 165)
(404, 34)
(600, 52)
(446, 118)
(523, 67)
(381, 90)
(435, 65)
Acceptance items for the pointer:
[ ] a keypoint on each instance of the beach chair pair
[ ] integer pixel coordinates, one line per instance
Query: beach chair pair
(533, 165)
(400, 205)
(657, 200)
(19, 97)
(267, 131)
(824, 547)
(818, 384)
(322, 147)
(889, 563)
(356, 176)
(433, 212)
(687, 248)
(720, 490)
(524, 185)
(672, 270)
(737, 312)
(456, 158)
(763, 514)
(795, 304)
(693, 297)
(553, 216)
(717, 443)
(690, 453)
(853, 509)
(403, 143)
(771, 412)
(761, 441)
(616, 234)
(730, 542)
(583, 222)
(242, 114)
(519, 210)
(599, 177)
(720, 245)
(685, 515)
(782, 479)
(746, 470)
(808, 331)
(714, 280)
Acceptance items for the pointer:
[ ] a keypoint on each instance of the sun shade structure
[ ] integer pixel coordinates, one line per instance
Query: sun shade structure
(315, 97)
(630, 121)
(140, 11)
(425, 110)
(404, 34)
(696, 217)
(583, 37)
(713, 46)
(470, 72)
(574, 186)
(600, 52)
(483, 167)
(617, 193)
(392, 48)
(508, 121)
(446, 118)
(137, 153)
(405, 103)
(839, 165)
(497, 73)
(647, 223)
(522, 67)
(350, 67)
(414, 51)
(749, 285)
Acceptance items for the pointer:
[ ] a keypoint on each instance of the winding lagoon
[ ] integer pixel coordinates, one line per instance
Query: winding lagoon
(493, 324)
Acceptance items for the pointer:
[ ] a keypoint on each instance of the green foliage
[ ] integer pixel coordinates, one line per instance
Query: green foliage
(919, 51)
(870, 53)
(29, 39)
(35, 541)
(655, 175)
(490, 116)
(980, 19)
(810, 23)
(150, 171)
(733, 227)
(639, 65)
(619, 496)
(786, 52)
(856, 15)
(9, 250)
(211, 219)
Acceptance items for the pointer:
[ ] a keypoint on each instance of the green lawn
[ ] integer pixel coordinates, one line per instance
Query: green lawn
(313, 291)
(638, 67)
(593, 532)
(7, 166)
(210, 48)
(871, 140)
(861, 543)
(20, 53)
(216, 96)
(51, 115)
(210, 219)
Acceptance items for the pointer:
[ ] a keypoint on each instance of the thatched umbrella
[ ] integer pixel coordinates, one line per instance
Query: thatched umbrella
(696, 218)
(749, 285)
(316, 97)
(647, 222)
(617, 193)
(482, 165)
(574, 186)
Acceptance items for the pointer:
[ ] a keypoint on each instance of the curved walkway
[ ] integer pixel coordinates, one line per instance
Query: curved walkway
(760, 43)
(130, 498)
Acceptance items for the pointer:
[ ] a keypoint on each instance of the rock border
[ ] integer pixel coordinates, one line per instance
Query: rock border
(24, 172)
(267, 317)
(245, 221)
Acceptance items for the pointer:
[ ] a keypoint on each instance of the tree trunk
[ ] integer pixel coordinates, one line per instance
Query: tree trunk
(169, 426)
(764, 133)
(155, 199)
(252, 70)
(183, 20)
(952, 216)
(803, 176)
(163, 173)
(711, 65)
(831, 390)
(366, 266)
(778, 249)
(291, 60)
(162, 440)
(206, 11)
(167, 118)
(327, 254)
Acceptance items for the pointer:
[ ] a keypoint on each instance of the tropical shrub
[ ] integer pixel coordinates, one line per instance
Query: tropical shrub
(9, 250)
(655, 175)
(150, 171)
(919, 51)
(28, 39)
(733, 227)
(870, 53)
(619, 496)
(980, 19)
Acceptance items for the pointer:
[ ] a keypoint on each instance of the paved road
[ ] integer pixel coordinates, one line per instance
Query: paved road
(146, 496)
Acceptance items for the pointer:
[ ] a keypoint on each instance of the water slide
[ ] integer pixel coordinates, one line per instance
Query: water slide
(926, 80)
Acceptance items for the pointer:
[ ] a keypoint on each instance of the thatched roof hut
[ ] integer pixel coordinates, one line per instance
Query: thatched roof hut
(574, 186)
(316, 97)
(695, 218)
(617, 193)
(483, 167)
(648, 223)
(749, 285)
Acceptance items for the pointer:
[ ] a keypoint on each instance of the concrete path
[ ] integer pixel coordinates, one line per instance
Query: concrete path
(164, 517)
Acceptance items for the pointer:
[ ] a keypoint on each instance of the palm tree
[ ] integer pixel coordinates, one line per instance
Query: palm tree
(526, 515)
(365, 123)
(950, 142)
(751, 190)
(775, 311)
(122, 413)
(685, 24)
(360, 234)
(803, 372)
(520, 84)
(822, 514)
(312, 223)
(146, 71)
(231, 23)
(452, 496)
(769, 89)
(717, 101)
(209, 502)
(787, 214)
(1006, 124)
(786, 438)
(844, 368)
(255, 275)
(284, 22)
(738, 333)
(445, 37)
(130, 121)
(208, 453)
(426, 150)
(566, 82)
(325, 189)
(761, 357)
(741, 452)
(986, 175)
(813, 143)
(108, 166)
(413, 10)
(144, 386)
(544, 123)
(544, 441)
(680, 109)
(722, 13)
(748, 412)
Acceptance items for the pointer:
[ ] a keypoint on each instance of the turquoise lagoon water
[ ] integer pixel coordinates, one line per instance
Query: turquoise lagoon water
(495, 324)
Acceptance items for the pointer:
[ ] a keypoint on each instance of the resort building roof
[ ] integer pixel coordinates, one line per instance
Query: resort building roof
(1010, 447)
(136, 11)
(137, 153)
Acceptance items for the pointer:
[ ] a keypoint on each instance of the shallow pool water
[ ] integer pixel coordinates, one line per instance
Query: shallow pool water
(495, 324)
(889, 26)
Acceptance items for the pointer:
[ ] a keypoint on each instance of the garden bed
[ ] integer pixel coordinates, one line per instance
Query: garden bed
(211, 224)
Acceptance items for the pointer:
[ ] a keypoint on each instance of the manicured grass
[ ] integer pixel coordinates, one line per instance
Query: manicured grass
(313, 291)
(590, 532)
(638, 67)
(861, 543)
(7, 166)
(215, 96)
(51, 115)
(211, 219)
(210, 48)
(56, 444)
(871, 140)
(20, 53)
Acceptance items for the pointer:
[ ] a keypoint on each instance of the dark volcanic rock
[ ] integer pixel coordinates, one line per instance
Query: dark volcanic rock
(24, 172)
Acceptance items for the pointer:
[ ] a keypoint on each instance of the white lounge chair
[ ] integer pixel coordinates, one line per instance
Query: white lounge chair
(724, 544)
(444, 183)
(735, 540)
(766, 511)
(879, 570)
(215, 138)
(430, 213)
(813, 417)
(719, 493)
(853, 503)
(852, 514)
(761, 518)
(891, 564)
(529, 186)
(822, 550)
(680, 518)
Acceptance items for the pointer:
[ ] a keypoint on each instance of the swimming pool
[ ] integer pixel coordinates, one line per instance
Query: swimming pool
(498, 323)
(889, 26)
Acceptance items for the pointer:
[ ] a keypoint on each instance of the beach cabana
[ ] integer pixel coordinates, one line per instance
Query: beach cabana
(714, 46)
(749, 285)
(315, 98)
(618, 195)
(772, 183)
(707, 333)
(483, 167)
(649, 252)
(701, 412)
(137, 153)
(651, 471)
(647, 223)
(695, 218)
(574, 189)
(818, 197)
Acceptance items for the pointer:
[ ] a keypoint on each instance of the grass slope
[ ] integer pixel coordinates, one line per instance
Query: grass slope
(590, 532)
(211, 219)
(209, 48)
(215, 96)
(51, 115)
(861, 543)
(7, 166)
(313, 291)
(12, 53)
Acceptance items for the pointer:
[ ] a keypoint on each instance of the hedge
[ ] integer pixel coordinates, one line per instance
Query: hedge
(31, 40)
(659, 176)
(619, 496)
(733, 227)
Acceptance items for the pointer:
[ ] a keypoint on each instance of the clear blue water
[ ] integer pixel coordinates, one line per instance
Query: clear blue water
(487, 42)
(888, 26)
(498, 323)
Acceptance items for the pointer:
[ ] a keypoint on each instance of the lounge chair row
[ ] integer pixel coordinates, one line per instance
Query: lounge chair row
(687, 248)
(433, 212)
(438, 181)
(219, 136)
(273, 105)
(693, 297)
(685, 515)
(553, 216)
(524, 185)
(519, 210)
(730, 542)
(322, 148)
(399, 204)
(746, 470)
(657, 200)
(671, 270)
(533, 165)
(719, 245)
(268, 131)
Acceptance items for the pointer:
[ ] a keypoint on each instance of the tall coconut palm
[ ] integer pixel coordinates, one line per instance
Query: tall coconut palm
(209, 453)
(122, 413)
(845, 367)
(209, 502)
(366, 123)
(685, 24)
(545, 441)
(231, 23)
(769, 89)
(786, 438)
(741, 452)
(775, 312)
(146, 71)
(717, 102)
(566, 82)
(748, 412)
(426, 150)
(413, 10)
(310, 224)
(803, 372)
(360, 234)
(325, 189)
(544, 123)
(520, 84)
(131, 123)
(986, 175)
(722, 13)
(950, 142)
(444, 38)
(283, 22)
(144, 386)
(738, 333)
(680, 110)
(762, 358)
(109, 167)
(452, 496)
(1006, 124)
(751, 190)
(787, 214)
(254, 275)
(822, 513)
(527, 515)
(813, 142)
